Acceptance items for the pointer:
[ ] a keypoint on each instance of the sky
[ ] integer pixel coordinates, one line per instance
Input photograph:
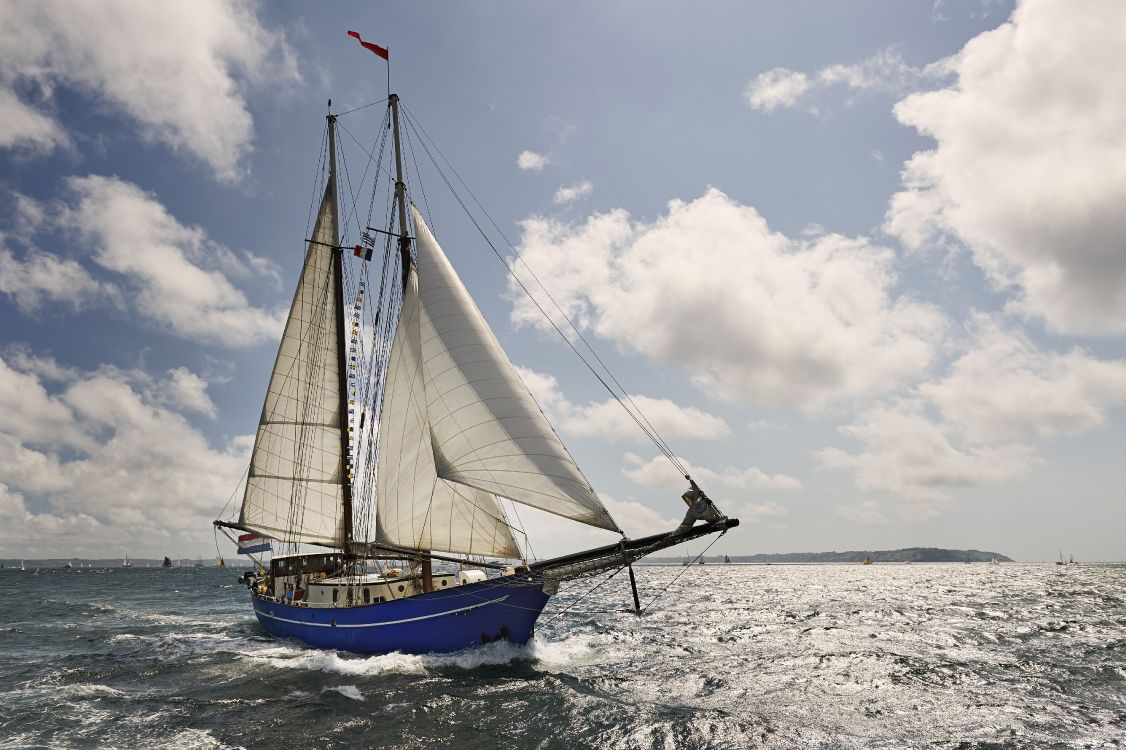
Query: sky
(862, 265)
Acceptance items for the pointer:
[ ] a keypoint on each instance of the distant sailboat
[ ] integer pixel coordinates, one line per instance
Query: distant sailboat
(995, 561)
(69, 564)
(726, 560)
(867, 560)
(219, 562)
(450, 428)
(167, 562)
(23, 568)
(1060, 561)
(127, 562)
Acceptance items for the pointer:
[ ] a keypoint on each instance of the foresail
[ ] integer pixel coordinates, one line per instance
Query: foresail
(295, 488)
(414, 507)
(488, 431)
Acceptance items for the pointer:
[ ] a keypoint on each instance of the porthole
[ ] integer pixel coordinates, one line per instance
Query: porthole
(400, 587)
(445, 582)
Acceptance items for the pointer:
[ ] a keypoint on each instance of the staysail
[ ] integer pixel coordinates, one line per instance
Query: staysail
(415, 507)
(295, 488)
(486, 431)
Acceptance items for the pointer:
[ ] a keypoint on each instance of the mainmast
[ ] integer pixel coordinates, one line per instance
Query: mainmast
(341, 341)
(400, 191)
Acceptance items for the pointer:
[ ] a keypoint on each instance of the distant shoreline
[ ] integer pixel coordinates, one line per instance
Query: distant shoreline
(908, 554)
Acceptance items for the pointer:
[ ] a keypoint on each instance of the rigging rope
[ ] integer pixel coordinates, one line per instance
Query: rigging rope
(683, 570)
(635, 412)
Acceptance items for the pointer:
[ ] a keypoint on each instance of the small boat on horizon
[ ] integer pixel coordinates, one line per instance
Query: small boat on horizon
(127, 562)
(167, 562)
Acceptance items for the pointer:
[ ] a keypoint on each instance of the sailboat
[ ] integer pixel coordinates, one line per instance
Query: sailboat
(23, 568)
(220, 562)
(446, 424)
(127, 562)
(167, 562)
(1060, 561)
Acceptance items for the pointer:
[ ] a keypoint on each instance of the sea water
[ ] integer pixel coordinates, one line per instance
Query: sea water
(730, 656)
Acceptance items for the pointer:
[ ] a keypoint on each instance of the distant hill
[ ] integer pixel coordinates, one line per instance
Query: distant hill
(909, 554)
(58, 562)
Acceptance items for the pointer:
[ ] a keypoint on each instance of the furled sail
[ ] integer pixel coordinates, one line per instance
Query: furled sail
(488, 432)
(416, 508)
(295, 488)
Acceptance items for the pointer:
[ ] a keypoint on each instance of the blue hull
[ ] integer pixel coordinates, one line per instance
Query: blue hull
(441, 621)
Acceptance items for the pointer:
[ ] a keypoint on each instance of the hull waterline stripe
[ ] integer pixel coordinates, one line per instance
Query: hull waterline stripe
(380, 624)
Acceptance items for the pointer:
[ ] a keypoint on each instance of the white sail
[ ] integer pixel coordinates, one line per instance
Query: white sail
(415, 508)
(488, 432)
(294, 491)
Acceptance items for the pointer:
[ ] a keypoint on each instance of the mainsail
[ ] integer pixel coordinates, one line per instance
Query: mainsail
(459, 427)
(295, 488)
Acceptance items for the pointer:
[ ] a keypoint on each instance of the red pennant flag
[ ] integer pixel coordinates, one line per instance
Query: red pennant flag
(381, 51)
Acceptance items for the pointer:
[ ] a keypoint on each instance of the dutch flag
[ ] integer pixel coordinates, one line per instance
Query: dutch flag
(248, 544)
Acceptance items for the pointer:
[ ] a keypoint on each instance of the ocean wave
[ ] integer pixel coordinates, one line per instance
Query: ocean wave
(348, 691)
(549, 654)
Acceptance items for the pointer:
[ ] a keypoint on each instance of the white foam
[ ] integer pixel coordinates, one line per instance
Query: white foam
(348, 691)
(549, 654)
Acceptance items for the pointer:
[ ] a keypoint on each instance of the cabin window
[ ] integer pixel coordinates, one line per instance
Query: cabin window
(335, 593)
(367, 595)
(400, 587)
(444, 581)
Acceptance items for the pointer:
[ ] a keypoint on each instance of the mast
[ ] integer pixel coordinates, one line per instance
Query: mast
(405, 261)
(341, 343)
(400, 191)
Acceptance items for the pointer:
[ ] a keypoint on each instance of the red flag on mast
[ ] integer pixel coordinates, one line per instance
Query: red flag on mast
(381, 51)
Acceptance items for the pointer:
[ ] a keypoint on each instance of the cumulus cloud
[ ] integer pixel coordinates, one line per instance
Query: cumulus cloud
(173, 273)
(971, 426)
(906, 454)
(178, 70)
(775, 88)
(531, 161)
(570, 194)
(748, 313)
(105, 454)
(1029, 166)
(1004, 387)
(609, 421)
(40, 278)
(659, 473)
(551, 535)
(886, 71)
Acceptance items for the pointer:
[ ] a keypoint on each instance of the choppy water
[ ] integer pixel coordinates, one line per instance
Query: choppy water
(826, 656)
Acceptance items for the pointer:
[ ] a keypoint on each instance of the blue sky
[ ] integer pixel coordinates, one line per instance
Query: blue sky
(862, 264)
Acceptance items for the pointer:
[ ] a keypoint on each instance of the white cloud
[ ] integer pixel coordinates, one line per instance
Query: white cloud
(867, 511)
(659, 473)
(105, 455)
(573, 193)
(968, 428)
(609, 421)
(42, 278)
(1006, 388)
(1029, 170)
(531, 161)
(177, 69)
(175, 273)
(186, 390)
(26, 128)
(759, 512)
(748, 313)
(551, 535)
(886, 71)
(775, 88)
(907, 455)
